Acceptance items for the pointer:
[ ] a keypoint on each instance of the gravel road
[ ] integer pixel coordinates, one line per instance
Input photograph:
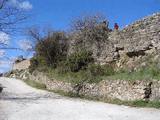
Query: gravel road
(19, 101)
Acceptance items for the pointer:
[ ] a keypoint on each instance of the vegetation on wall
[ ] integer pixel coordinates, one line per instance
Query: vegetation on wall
(52, 56)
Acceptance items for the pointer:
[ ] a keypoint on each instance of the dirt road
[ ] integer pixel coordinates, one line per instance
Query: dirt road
(21, 102)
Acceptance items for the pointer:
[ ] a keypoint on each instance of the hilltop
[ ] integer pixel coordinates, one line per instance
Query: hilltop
(117, 66)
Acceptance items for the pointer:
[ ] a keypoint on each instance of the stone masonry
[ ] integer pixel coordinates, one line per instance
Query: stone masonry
(140, 39)
(21, 65)
(112, 89)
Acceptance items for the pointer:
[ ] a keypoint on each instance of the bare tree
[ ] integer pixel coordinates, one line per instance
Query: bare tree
(88, 32)
(89, 22)
(12, 14)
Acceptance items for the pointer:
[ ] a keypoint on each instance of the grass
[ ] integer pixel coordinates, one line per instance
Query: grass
(73, 77)
(92, 75)
(35, 84)
(143, 74)
(140, 103)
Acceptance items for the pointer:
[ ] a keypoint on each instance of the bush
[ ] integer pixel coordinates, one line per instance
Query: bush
(33, 64)
(62, 67)
(36, 63)
(79, 60)
(108, 70)
(96, 69)
(101, 70)
(52, 48)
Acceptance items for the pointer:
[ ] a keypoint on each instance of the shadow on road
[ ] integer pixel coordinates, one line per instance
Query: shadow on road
(29, 97)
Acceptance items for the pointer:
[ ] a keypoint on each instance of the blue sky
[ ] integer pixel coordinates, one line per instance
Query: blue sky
(58, 14)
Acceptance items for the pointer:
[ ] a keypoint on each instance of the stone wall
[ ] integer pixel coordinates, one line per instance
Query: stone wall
(139, 35)
(137, 40)
(112, 89)
(21, 65)
(126, 47)
(155, 91)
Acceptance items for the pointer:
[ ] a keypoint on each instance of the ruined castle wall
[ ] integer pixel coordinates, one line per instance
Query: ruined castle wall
(139, 37)
(21, 65)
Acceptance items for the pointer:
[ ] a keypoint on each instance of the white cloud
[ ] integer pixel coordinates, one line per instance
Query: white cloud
(5, 66)
(25, 5)
(2, 53)
(4, 38)
(5, 62)
(25, 45)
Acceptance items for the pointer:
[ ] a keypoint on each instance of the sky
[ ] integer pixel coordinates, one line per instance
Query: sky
(58, 14)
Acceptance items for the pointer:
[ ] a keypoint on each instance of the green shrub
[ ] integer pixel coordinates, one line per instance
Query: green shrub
(96, 69)
(108, 70)
(62, 67)
(101, 70)
(52, 48)
(33, 64)
(79, 60)
(37, 63)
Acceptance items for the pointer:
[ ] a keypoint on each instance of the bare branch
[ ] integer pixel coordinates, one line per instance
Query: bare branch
(2, 3)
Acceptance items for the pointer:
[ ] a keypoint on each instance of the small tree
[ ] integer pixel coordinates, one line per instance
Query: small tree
(79, 60)
(88, 31)
(89, 22)
(52, 47)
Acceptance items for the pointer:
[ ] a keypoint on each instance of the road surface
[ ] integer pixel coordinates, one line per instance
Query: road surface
(19, 101)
